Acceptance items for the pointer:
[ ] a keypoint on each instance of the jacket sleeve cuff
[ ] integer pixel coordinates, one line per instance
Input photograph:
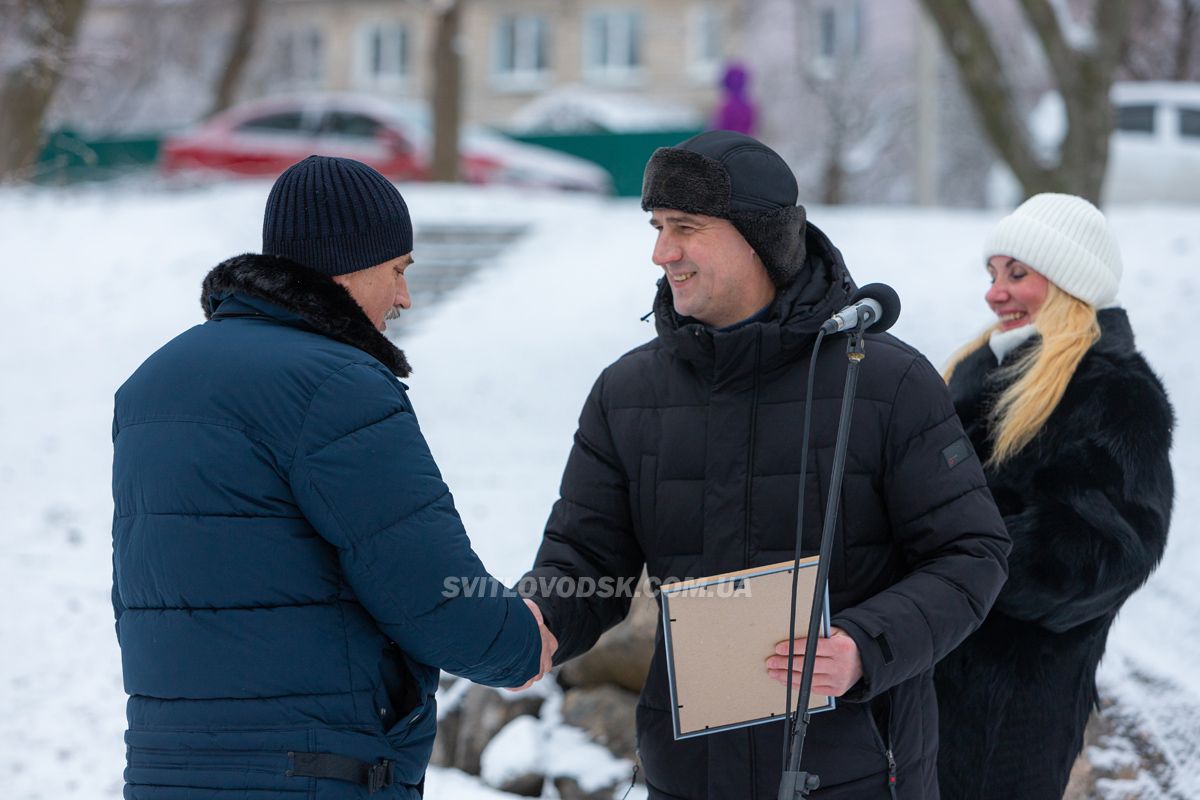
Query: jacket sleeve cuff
(875, 655)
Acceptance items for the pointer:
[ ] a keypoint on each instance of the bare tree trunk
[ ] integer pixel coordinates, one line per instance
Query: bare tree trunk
(1084, 78)
(1189, 22)
(833, 180)
(239, 54)
(447, 93)
(44, 40)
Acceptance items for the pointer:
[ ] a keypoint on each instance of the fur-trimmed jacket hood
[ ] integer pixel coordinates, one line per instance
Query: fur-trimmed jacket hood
(314, 299)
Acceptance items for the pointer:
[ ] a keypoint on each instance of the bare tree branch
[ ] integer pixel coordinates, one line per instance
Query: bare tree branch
(239, 54)
(44, 39)
(1084, 78)
(1189, 23)
(1044, 20)
(1084, 152)
(979, 67)
(1112, 33)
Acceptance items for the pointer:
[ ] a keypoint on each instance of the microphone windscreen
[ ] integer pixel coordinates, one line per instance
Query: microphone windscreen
(888, 300)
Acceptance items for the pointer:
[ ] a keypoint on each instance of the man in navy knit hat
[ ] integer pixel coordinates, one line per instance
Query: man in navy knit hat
(281, 533)
(686, 462)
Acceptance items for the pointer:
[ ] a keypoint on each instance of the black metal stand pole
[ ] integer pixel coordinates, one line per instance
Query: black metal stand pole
(794, 783)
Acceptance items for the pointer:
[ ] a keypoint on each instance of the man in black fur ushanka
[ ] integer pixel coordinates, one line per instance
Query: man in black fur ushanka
(686, 461)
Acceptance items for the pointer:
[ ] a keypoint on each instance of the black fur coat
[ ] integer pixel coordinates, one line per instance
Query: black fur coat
(1088, 504)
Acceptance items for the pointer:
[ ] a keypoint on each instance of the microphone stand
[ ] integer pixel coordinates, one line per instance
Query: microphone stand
(794, 783)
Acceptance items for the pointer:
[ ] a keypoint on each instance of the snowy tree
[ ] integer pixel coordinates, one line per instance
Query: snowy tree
(37, 41)
(866, 132)
(841, 96)
(144, 66)
(1082, 58)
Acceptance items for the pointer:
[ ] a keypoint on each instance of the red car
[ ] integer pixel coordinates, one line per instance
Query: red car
(265, 137)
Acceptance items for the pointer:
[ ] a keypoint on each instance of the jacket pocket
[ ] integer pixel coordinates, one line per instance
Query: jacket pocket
(399, 693)
(252, 760)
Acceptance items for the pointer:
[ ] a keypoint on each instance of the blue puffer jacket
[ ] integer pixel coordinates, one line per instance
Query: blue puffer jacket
(281, 544)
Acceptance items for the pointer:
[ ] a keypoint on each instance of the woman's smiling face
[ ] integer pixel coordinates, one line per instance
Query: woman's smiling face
(1017, 292)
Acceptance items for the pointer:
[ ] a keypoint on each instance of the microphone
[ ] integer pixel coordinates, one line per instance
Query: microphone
(875, 306)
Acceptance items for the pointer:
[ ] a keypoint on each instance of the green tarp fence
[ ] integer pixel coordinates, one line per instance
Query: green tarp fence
(624, 155)
(69, 157)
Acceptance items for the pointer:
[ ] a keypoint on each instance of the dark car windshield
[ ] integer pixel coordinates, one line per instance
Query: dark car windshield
(279, 122)
(348, 123)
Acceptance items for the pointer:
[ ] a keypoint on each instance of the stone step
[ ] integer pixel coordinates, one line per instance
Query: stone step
(446, 256)
(460, 234)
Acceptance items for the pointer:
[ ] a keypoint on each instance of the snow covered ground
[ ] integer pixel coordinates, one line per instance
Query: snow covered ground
(99, 278)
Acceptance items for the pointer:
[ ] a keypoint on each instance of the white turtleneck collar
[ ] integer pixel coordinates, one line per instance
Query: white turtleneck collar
(1004, 342)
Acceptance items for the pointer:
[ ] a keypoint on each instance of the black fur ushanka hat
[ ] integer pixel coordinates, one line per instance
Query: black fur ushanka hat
(738, 178)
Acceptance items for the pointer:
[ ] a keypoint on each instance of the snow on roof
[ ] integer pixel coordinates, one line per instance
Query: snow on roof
(577, 109)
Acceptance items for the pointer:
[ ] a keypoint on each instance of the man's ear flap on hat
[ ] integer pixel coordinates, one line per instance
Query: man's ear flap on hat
(777, 237)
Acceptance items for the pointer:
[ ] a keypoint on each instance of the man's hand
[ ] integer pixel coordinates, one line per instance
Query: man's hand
(549, 645)
(837, 667)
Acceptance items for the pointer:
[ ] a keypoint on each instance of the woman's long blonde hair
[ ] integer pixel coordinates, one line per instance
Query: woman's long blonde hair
(1068, 328)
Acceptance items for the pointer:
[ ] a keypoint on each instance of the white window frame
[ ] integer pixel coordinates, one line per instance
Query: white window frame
(845, 43)
(531, 32)
(625, 27)
(303, 50)
(705, 29)
(395, 39)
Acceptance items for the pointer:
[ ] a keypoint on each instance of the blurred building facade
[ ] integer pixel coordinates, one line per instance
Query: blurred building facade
(858, 95)
(513, 51)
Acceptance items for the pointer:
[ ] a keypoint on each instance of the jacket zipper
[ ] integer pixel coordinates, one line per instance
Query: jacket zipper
(750, 454)
(885, 746)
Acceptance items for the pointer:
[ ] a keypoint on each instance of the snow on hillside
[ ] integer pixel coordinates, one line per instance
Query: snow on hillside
(99, 278)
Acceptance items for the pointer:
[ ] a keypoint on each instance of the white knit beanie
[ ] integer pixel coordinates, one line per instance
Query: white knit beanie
(1065, 238)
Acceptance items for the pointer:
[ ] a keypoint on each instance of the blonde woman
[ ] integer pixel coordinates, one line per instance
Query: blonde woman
(1074, 431)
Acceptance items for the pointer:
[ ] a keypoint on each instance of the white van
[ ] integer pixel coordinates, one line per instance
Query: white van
(1154, 153)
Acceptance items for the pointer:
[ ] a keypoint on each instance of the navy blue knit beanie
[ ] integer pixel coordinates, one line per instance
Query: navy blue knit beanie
(335, 215)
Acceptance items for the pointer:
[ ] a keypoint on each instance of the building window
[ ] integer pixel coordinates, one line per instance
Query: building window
(300, 57)
(612, 45)
(521, 49)
(388, 50)
(839, 34)
(704, 43)
(827, 27)
(383, 56)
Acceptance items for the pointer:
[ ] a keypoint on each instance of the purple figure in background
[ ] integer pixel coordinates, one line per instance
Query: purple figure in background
(736, 111)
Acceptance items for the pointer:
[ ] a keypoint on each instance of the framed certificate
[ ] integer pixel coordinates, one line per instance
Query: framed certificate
(719, 632)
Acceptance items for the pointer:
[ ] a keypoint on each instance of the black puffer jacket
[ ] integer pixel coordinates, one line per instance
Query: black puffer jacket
(686, 460)
(1087, 504)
